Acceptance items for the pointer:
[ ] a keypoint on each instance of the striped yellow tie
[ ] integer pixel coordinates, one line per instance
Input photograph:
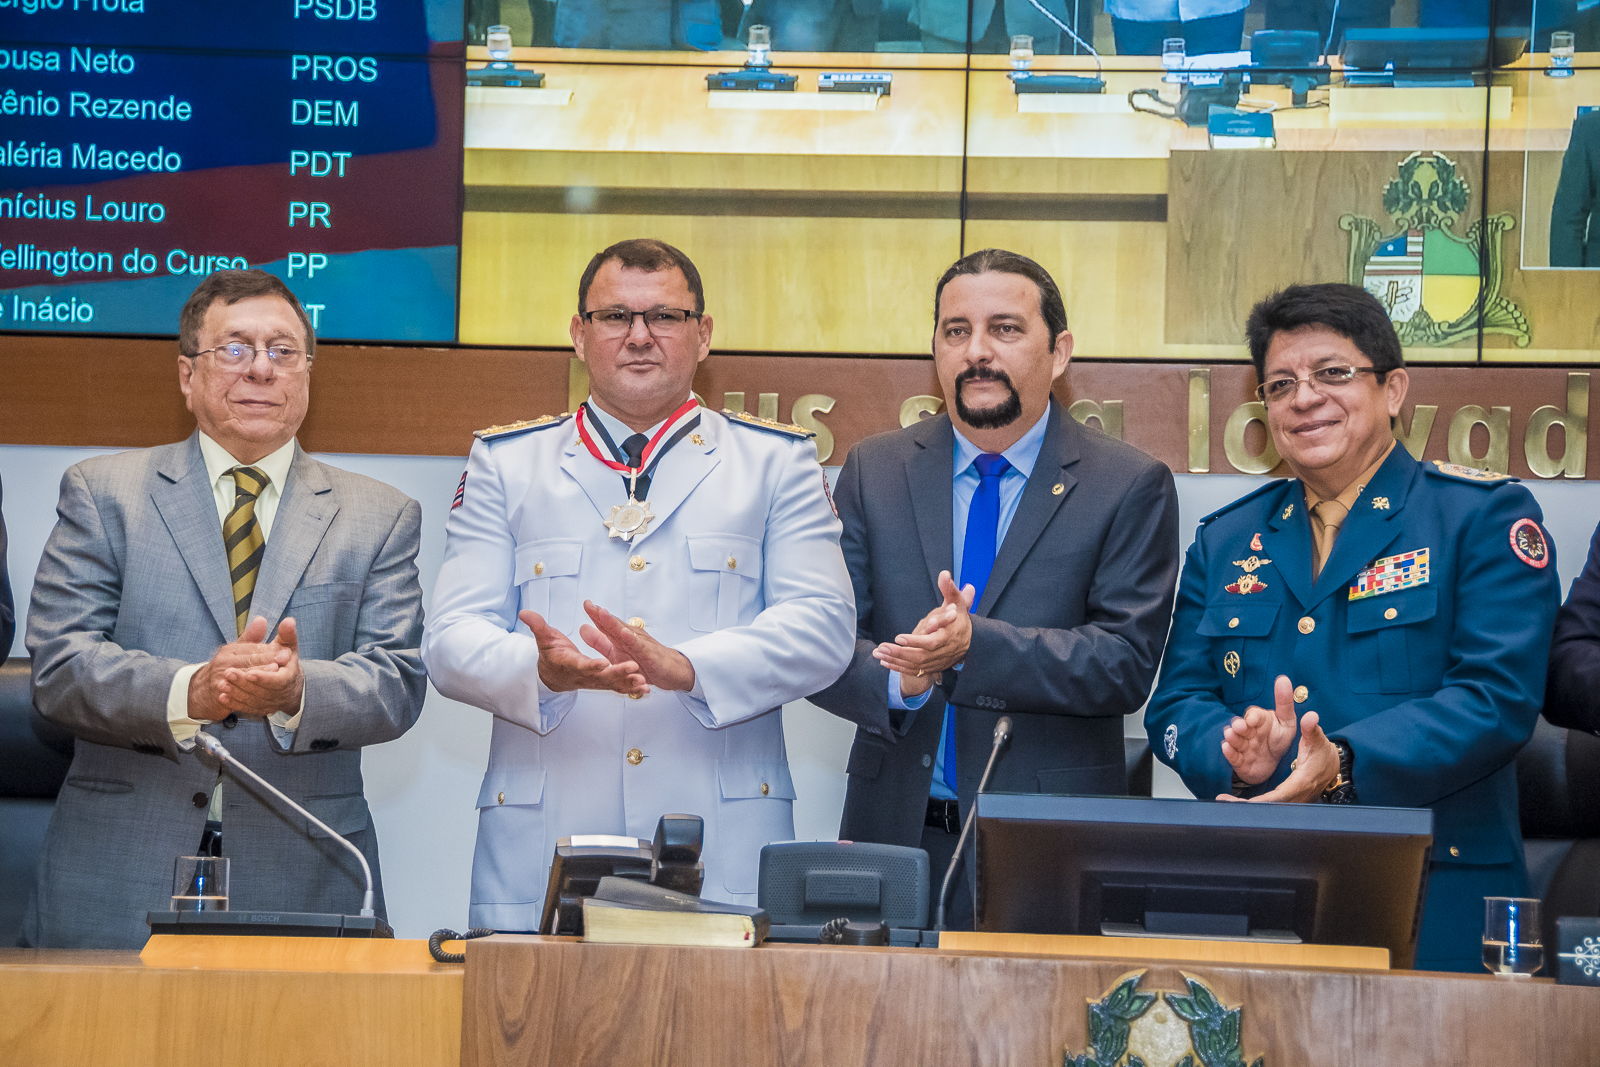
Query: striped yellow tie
(241, 534)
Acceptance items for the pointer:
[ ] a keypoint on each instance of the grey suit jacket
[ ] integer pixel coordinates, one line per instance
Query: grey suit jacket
(1066, 639)
(133, 585)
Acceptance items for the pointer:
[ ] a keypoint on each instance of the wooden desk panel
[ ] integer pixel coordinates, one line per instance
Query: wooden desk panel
(534, 1001)
(71, 1008)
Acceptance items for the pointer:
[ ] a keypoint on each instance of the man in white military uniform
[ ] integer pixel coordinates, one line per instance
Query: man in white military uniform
(679, 576)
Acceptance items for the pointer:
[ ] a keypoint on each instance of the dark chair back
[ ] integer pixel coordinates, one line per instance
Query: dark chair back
(1558, 788)
(34, 756)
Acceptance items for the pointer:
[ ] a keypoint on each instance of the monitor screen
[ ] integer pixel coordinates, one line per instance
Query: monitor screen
(1295, 873)
(1450, 48)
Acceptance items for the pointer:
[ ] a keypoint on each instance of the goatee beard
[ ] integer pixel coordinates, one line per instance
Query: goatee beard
(992, 418)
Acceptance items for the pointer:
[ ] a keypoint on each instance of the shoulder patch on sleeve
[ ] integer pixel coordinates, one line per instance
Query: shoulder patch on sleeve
(756, 422)
(1456, 472)
(1529, 544)
(512, 429)
(1276, 483)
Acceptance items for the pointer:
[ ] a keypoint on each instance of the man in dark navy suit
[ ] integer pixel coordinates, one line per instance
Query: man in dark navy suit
(1006, 561)
(1372, 631)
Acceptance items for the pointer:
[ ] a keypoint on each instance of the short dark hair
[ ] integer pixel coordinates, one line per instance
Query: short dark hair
(1051, 306)
(643, 253)
(1348, 310)
(230, 287)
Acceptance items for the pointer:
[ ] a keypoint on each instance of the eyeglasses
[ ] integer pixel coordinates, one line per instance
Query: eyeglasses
(236, 355)
(618, 322)
(1321, 380)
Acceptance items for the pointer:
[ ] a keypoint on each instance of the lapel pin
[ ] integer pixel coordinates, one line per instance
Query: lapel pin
(1380, 503)
(1288, 511)
(1255, 543)
(696, 439)
(1057, 489)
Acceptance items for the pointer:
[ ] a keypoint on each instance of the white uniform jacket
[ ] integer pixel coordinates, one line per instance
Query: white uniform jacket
(740, 570)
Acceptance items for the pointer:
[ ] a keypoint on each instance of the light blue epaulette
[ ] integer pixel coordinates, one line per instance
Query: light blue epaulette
(787, 429)
(1472, 475)
(1224, 509)
(514, 429)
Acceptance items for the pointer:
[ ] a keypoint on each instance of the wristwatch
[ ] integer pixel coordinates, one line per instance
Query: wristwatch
(1343, 789)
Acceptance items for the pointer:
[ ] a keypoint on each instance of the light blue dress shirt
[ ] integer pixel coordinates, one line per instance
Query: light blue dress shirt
(1022, 456)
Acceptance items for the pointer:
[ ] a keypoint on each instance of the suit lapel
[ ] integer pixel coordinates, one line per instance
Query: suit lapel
(305, 510)
(601, 484)
(685, 467)
(1287, 542)
(928, 475)
(189, 510)
(1057, 452)
(1367, 530)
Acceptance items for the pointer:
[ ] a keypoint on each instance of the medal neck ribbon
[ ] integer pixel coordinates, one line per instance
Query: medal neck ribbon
(653, 451)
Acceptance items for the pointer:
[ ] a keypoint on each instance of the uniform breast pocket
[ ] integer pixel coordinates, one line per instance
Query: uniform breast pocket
(547, 575)
(1241, 645)
(725, 580)
(1387, 642)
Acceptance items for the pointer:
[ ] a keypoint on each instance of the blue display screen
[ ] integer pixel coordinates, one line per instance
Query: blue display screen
(133, 161)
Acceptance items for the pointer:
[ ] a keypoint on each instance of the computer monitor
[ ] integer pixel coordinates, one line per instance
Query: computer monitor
(1443, 56)
(1287, 873)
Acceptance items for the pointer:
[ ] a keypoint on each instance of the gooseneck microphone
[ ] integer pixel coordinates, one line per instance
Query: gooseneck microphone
(1002, 734)
(214, 747)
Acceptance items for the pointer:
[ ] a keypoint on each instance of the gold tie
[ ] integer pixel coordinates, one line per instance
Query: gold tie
(1328, 517)
(241, 535)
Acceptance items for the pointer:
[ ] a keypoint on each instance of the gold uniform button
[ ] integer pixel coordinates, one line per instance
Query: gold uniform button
(501, 799)
(764, 789)
(1232, 623)
(1300, 694)
(635, 757)
(637, 563)
(1454, 851)
(1307, 624)
(538, 568)
(732, 563)
(636, 622)
(1391, 613)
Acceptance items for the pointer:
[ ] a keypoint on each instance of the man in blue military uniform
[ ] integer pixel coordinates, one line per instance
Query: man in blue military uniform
(634, 593)
(1372, 631)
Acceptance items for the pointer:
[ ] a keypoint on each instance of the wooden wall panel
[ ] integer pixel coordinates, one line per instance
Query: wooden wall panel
(427, 401)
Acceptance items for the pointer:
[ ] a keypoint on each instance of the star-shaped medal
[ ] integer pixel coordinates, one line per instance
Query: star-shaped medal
(630, 520)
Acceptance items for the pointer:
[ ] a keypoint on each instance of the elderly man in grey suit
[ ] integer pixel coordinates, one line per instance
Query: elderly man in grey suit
(1066, 544)
(166, 572)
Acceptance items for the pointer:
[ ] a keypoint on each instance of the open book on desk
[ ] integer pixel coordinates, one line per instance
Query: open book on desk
(625, 911)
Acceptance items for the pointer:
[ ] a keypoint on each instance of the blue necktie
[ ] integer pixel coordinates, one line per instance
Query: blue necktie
(977, 560)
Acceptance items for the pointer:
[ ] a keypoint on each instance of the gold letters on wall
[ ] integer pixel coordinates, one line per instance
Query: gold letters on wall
(1553, 437)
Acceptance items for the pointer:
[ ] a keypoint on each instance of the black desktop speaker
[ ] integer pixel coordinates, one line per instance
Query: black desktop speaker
(812, 882)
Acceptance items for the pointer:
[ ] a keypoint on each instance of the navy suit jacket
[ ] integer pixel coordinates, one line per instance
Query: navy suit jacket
(1574, 237)
(1435, 687)
(1572, 693)
(1065, 640)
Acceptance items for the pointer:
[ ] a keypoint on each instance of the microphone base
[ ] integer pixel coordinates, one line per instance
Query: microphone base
(267, 923)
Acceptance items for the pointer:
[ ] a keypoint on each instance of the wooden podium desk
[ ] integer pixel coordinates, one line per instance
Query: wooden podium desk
(531, 1001)
(231, 1002)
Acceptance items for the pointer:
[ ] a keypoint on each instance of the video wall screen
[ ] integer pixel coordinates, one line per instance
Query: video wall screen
(148, 143)
(428, 172)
